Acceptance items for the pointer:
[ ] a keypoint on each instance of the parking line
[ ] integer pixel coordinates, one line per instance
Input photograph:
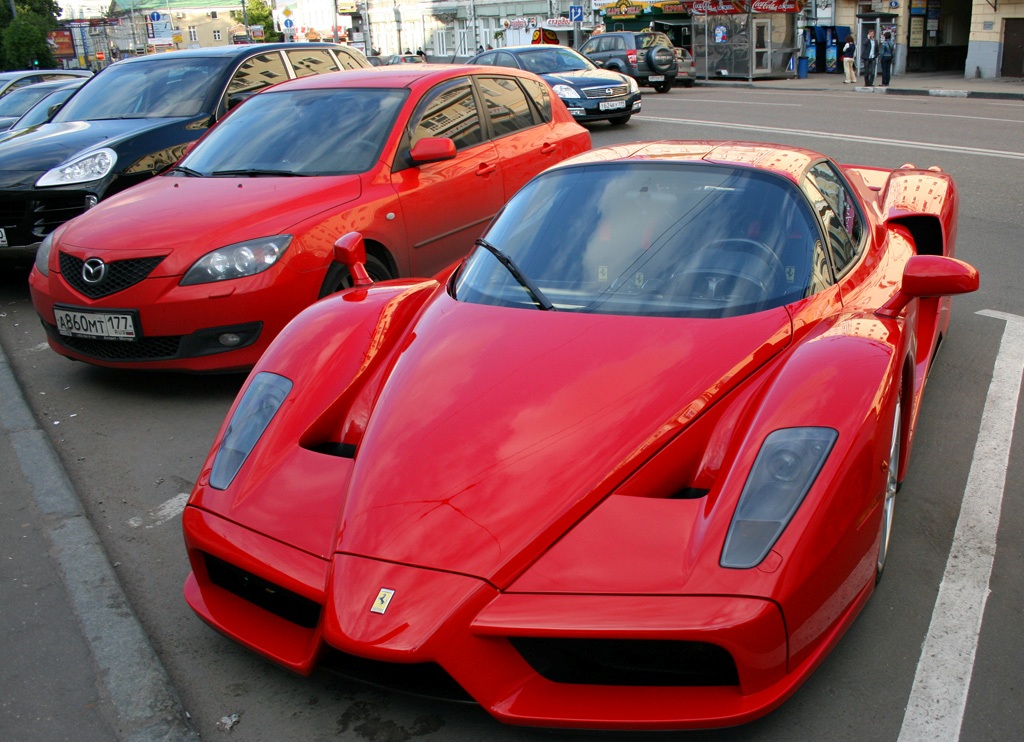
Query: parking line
(938, 698)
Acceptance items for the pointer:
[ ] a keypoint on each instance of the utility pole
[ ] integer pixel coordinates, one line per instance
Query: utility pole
(335, 23)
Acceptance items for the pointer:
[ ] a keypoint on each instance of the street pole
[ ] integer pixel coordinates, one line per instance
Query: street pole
(335, 24)
(245, 22)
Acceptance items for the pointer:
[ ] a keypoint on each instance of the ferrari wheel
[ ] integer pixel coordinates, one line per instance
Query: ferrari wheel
(338, 277)
(891, 487)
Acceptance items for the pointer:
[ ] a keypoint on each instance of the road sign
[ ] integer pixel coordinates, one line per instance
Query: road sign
(288, 23)
(155, 15)
(576, 13)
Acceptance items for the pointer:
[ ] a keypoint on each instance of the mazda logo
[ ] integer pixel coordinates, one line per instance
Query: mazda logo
(94, 270)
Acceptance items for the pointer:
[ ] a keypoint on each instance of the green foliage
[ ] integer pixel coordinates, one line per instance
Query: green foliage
(23, 39)
(258, 13)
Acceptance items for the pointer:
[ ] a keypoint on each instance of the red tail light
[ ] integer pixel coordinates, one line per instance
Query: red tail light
(631, 58)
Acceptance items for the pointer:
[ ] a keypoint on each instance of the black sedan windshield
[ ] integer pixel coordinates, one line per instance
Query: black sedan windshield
(656, 239)
(553, 60)
(329, 131)
(147, 89)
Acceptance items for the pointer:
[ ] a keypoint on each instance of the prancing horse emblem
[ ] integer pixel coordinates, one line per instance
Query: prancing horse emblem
(383, 600)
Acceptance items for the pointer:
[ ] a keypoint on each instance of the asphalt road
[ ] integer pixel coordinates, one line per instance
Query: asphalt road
(132, 444)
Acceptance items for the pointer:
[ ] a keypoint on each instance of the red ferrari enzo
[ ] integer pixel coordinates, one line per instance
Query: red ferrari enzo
(631, 464)
(199, 269)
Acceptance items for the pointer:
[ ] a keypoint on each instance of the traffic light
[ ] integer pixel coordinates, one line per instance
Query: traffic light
(35, 62)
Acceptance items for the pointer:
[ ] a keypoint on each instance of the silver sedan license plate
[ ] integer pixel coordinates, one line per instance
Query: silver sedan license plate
(611, 105)
(87, 323)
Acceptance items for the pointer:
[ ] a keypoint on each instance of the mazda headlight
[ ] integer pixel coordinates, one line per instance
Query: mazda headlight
(786, 466)
(94, 165)
(566, 91)
(257, 408)
(236, 261)
(43, 255)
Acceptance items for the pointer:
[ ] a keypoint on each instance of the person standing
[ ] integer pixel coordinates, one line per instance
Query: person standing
(885, 58)
(849, 58)
(868, 55)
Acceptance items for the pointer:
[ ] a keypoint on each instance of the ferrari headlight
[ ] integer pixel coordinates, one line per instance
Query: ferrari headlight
(257, 408)
(786, 466)
(43, 255)
(565, 91)
(236, 261)
(93, 165)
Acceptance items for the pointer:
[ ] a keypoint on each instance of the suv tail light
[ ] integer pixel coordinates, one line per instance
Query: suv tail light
(631, 58)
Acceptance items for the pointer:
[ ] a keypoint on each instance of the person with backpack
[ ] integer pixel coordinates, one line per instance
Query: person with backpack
(885, 58)
(849, 59)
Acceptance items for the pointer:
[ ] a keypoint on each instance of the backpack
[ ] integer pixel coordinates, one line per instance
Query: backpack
(886, 50)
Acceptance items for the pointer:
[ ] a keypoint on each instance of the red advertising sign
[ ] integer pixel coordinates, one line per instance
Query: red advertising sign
(728, 7)
(61, 44)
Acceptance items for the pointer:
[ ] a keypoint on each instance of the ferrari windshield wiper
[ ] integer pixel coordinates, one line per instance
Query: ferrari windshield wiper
(254, 172)
(535, 293)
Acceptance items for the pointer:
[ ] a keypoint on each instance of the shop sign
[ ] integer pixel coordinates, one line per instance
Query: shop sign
(61, 44)
(726, 7)
(519, 24)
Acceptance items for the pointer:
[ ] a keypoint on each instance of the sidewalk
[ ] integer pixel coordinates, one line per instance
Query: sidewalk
(948, 84)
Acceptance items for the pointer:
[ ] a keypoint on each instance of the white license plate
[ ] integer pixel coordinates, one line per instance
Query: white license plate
(89, 324)
(3, 238)
(611, 105)
(656, 78)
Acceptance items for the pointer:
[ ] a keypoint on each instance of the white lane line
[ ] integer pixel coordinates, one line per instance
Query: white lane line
(163, 513)
(944, 115)
(935, 710)
(845, 137)
(719, 102)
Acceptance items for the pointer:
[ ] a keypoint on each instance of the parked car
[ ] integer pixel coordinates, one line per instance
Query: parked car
(10, 81)
(375, 60)
(686, 66)
(647, 56)
(198, 269)
(18, 102)
(44, 111)
(632, 464)
(133, 119)
(590, 93)
(406, 59)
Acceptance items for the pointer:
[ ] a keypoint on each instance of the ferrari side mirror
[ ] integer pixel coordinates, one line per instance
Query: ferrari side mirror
(931, 275)
(350, 251)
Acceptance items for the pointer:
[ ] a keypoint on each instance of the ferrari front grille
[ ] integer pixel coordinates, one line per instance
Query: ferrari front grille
(117, 276)
(628, 662)
(426, 679)
(263, 593)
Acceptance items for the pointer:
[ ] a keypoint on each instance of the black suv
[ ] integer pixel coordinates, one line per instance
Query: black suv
(647, 56)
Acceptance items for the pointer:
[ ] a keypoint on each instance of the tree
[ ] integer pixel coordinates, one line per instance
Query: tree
(23, 36)
(258, 13)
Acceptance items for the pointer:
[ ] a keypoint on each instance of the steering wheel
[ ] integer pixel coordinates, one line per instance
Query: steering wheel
(752, 247)
(722, 283)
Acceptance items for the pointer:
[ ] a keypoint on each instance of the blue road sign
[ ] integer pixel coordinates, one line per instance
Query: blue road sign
(155, 15)
(288, 23)
(576, 13)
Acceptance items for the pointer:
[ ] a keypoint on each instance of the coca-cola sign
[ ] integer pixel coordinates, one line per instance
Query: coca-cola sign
(726, 7)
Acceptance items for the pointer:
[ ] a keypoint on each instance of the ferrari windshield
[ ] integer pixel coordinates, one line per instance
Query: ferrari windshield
(151, 88)
(325, 131)
(651, 238)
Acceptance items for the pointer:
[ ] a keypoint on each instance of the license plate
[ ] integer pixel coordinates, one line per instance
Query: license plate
(656, 78)
(87, 323)
(611, 105)
(3, 238)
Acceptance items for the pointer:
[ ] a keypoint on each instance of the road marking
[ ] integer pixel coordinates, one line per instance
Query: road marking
(935, 710)
(719, 102)
(160, 515)
(845, 137)
(944, 116)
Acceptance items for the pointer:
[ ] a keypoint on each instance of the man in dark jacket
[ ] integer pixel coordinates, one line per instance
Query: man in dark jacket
(868, 55)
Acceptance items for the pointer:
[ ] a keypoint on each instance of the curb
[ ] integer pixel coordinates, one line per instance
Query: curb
(128, 669)
(937, 92)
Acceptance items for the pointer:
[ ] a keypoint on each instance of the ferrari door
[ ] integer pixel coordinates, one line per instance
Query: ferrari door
(446, 205)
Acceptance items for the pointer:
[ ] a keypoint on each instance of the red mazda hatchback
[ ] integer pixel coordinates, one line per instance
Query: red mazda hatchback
(200, 268)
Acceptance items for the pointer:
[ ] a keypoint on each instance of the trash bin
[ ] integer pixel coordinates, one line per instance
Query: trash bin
(801, 68)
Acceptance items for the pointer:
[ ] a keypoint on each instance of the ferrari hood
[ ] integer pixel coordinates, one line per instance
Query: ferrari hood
(26, 157)
(498, 428)
(149, 216)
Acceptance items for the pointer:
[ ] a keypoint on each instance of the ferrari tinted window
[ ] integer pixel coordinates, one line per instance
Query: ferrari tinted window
(507, 105)
(449, 111)
(673, 239)
(838, 211)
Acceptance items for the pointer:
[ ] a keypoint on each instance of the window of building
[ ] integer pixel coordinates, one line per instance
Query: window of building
(193, 35)
(216, 34)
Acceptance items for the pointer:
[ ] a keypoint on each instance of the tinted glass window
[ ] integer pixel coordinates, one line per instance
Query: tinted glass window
(450, 111)
(40, 112)
(504, 59)
(553, 59)
(255, 74)
(343, 131)
(838, 212)
(147, 88)
(649, 239)
(507, 105)
(18, 101)
(541, 95)
(311, 61)
(590, 47)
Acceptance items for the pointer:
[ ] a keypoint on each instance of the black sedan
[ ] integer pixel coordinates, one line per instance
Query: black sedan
(133, 119)
(590, 93)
